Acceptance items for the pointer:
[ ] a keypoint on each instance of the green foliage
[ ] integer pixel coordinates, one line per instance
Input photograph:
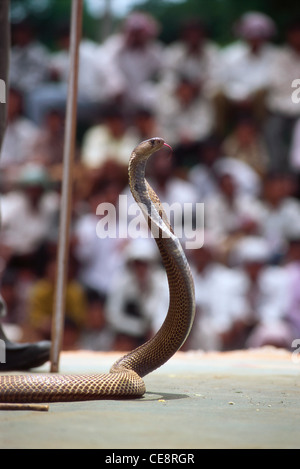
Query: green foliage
(47, 15)
(219, 15)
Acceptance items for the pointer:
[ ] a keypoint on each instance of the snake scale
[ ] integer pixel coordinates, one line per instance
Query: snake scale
(125, 376)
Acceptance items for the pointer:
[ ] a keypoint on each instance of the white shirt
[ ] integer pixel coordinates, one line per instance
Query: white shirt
(203, 179)
(18, 142)
(96, 78)
(29, 66)
(24, 228)
(243, 72)
(202, 66)
(277, 223)
(220, 300)
(152, 303)
(180, 123)
(100, 145)
(99, 258)
(284, 70)
(272, 295)
(135, 67)
(222, 218)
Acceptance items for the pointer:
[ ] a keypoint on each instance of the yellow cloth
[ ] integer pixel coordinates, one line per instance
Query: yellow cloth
(42, 300)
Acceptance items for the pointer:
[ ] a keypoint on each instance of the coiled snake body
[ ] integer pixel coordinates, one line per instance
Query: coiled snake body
(125, 376)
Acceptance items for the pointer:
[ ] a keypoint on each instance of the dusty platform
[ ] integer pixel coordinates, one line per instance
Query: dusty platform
(197, 400)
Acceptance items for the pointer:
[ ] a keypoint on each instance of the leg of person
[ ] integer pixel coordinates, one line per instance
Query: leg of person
(17, 356)
(21, 356)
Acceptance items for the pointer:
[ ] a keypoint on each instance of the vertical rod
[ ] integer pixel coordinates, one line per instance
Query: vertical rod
(4, 72)
(67, 183)
(4, 63)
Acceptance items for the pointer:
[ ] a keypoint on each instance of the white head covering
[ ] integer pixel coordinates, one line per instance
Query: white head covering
(141, 249)
(252, 249)
(255, 25)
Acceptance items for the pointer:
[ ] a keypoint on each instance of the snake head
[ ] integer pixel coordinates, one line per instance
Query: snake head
(147, 147)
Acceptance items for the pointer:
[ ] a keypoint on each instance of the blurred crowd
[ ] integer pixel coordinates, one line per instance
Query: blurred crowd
(232, 117)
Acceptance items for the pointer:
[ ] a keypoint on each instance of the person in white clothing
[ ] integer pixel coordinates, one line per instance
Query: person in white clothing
(111, 139)
(194, 53)
(139, 298)
(267, 295)
(99, 254)
(29, 213)
(136, 56)
(246, 68)
(220, 302)
(29, 59)
(185, 114)
(246, 63)
(229, 216)
(19, 137)
(284, 110)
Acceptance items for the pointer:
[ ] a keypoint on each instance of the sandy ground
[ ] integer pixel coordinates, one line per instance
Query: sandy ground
(243, 399)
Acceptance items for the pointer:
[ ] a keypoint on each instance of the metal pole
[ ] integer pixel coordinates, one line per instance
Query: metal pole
(67, 182)
(4, 62)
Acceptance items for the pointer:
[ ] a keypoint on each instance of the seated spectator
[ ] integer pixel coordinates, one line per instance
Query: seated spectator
(136, 55)
(220, 302)
(185, 116)
(280, 211)
(145, 124)
(97, 80)
(109, 140)
(266, 293)
(10, 291)
(41, 304)
(212, 163)
(171, 189)
(29, 59)
(48, 147)
(139, 298)
(246, 144)
(283, 112)
(96, 334)
(203, 174)
(248, 183)
(194, 54)
(246, 67)
(20, 134)
(29, 214)
(230, 216)
(292, 267)
(98, 253)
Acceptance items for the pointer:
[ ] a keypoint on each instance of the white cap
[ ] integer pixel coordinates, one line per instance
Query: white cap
(252, 249)
(141, 249)
(255, 24)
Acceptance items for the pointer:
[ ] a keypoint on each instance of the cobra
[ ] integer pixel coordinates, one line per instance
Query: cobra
(125, 376)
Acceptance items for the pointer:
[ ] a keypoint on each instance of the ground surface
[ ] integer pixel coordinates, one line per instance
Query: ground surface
(248, 399)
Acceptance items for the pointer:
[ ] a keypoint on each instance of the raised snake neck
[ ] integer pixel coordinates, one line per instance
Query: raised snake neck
(125, 376)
